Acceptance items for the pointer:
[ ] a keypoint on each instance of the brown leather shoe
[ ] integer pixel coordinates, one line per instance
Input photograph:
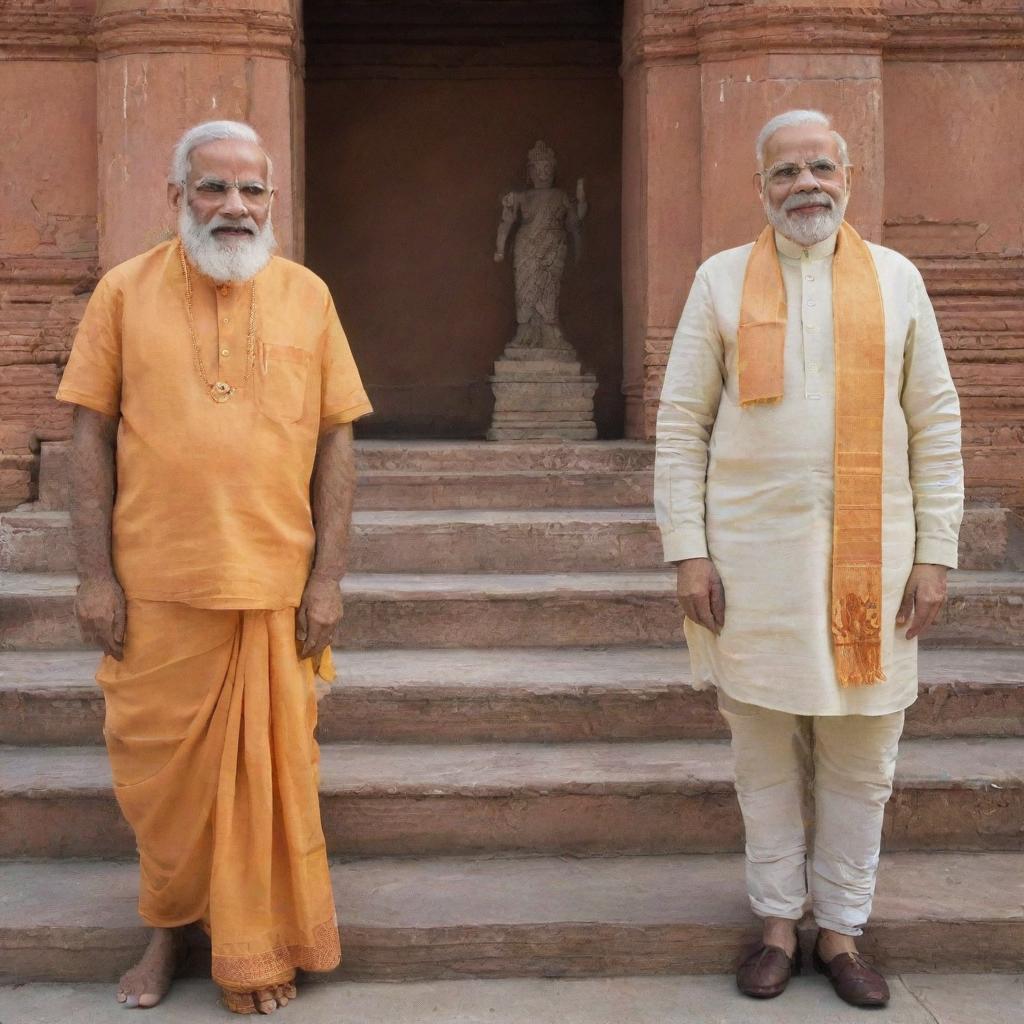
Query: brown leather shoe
(765, 972)
(854, 979)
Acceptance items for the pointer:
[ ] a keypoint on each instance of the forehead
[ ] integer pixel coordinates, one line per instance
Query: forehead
(229, 159)
(800, 142)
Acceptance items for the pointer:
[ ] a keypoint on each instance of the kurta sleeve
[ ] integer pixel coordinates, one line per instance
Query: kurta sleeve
(342, 398)
(93, 375)
(689, 404)
(932, 411)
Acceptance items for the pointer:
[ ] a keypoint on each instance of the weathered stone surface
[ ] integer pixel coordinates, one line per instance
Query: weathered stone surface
(539, 695)
(916, 999)
(565, 540)
(565, 430)
(984, 609)
(581, 798)
(541, 398)
(534, 917)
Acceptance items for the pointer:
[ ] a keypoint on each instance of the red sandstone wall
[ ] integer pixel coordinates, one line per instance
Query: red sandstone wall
(47, 220)
(954, 181)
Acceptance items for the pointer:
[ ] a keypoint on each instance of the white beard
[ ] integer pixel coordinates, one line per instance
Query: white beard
(806, 231)
(238, 259)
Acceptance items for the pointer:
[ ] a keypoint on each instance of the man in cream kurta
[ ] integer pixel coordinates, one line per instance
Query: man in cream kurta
(744, 499)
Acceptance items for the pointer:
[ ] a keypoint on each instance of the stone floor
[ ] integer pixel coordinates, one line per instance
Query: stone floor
(917, 999)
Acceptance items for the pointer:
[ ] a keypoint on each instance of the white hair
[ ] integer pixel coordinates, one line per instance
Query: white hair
(790, 119)
(210, 131)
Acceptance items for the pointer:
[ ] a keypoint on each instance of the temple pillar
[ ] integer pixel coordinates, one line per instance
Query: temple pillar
(762, 58)
(47, 220)
(701, 78)
(661, 192)
(166, 65)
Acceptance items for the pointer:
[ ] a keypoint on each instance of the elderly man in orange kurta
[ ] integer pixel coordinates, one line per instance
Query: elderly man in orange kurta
(211, 497)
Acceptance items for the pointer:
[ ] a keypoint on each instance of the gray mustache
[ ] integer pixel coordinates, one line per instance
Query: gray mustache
(808, 199)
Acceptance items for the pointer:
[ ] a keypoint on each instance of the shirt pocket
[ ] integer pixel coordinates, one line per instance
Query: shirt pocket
(281, 391)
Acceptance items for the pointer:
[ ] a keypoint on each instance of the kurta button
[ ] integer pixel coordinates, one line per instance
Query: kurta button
(225, 352)
(223, 289)
(810, 277)
(226, 320)
(810, 302)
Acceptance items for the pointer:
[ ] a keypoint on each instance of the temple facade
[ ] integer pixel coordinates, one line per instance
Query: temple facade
(395, 127)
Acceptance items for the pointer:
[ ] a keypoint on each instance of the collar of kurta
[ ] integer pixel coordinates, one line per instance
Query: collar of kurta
(859, 332)
(789, 249)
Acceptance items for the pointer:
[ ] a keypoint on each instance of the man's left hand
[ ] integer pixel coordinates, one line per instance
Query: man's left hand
(318, 615)
(923, 598)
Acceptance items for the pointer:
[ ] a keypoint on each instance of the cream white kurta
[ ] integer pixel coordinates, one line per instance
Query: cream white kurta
(752, 488)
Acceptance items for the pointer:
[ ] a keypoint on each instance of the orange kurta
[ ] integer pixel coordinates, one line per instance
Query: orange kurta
(210, 715)
(212, 501)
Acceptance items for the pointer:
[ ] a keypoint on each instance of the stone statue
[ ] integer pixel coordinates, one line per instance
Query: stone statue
(548, 218)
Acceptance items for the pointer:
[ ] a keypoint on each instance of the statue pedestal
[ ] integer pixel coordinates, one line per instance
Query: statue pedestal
(542, 393)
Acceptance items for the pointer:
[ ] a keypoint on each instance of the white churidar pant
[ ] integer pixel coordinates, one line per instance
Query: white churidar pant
(845, 764)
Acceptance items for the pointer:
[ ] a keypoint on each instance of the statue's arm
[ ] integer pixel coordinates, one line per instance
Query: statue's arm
(509, 215)
(100, 602)
(575, 212)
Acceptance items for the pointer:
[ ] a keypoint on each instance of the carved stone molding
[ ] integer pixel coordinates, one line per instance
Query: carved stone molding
(191, 29)
(667, 35)
(939, 35)
(61, 30)
(724, 33)
(973, 276)
(64, 274)
(678, 31)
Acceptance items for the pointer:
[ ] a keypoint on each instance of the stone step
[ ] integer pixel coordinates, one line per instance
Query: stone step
(387, 610)
(402, 541)
(508, 489)
(558, 695)
(580, 799)
(406, 920)
(420, 460)
(527, 540)
(916, 999)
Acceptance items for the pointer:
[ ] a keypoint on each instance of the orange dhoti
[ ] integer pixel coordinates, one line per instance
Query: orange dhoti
(209, 725)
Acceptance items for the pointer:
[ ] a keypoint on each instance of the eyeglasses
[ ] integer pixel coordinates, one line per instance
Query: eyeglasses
(821, 168)
(252, 193)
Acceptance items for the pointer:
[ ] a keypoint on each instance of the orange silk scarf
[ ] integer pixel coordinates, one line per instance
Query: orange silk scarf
(859, 323)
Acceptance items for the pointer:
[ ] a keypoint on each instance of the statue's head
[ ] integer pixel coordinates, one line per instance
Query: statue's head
(540, 165)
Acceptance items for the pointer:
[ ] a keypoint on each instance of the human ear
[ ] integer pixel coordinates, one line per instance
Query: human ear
(174, 194)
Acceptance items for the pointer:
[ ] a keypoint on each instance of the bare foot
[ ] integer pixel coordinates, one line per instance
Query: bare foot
(264, 1001)
(150, 979)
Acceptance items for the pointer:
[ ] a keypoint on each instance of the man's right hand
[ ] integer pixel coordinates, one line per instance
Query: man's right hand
(701, 593)
(101, 611)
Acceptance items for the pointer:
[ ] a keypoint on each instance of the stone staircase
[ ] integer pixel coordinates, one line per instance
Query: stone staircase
(516, 780)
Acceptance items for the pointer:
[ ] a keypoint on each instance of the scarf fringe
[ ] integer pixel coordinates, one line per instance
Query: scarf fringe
(859, 664)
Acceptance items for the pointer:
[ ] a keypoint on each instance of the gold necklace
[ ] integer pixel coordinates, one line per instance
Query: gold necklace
(219, 390)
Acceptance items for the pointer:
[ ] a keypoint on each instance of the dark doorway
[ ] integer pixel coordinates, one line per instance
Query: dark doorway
(419, 115)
